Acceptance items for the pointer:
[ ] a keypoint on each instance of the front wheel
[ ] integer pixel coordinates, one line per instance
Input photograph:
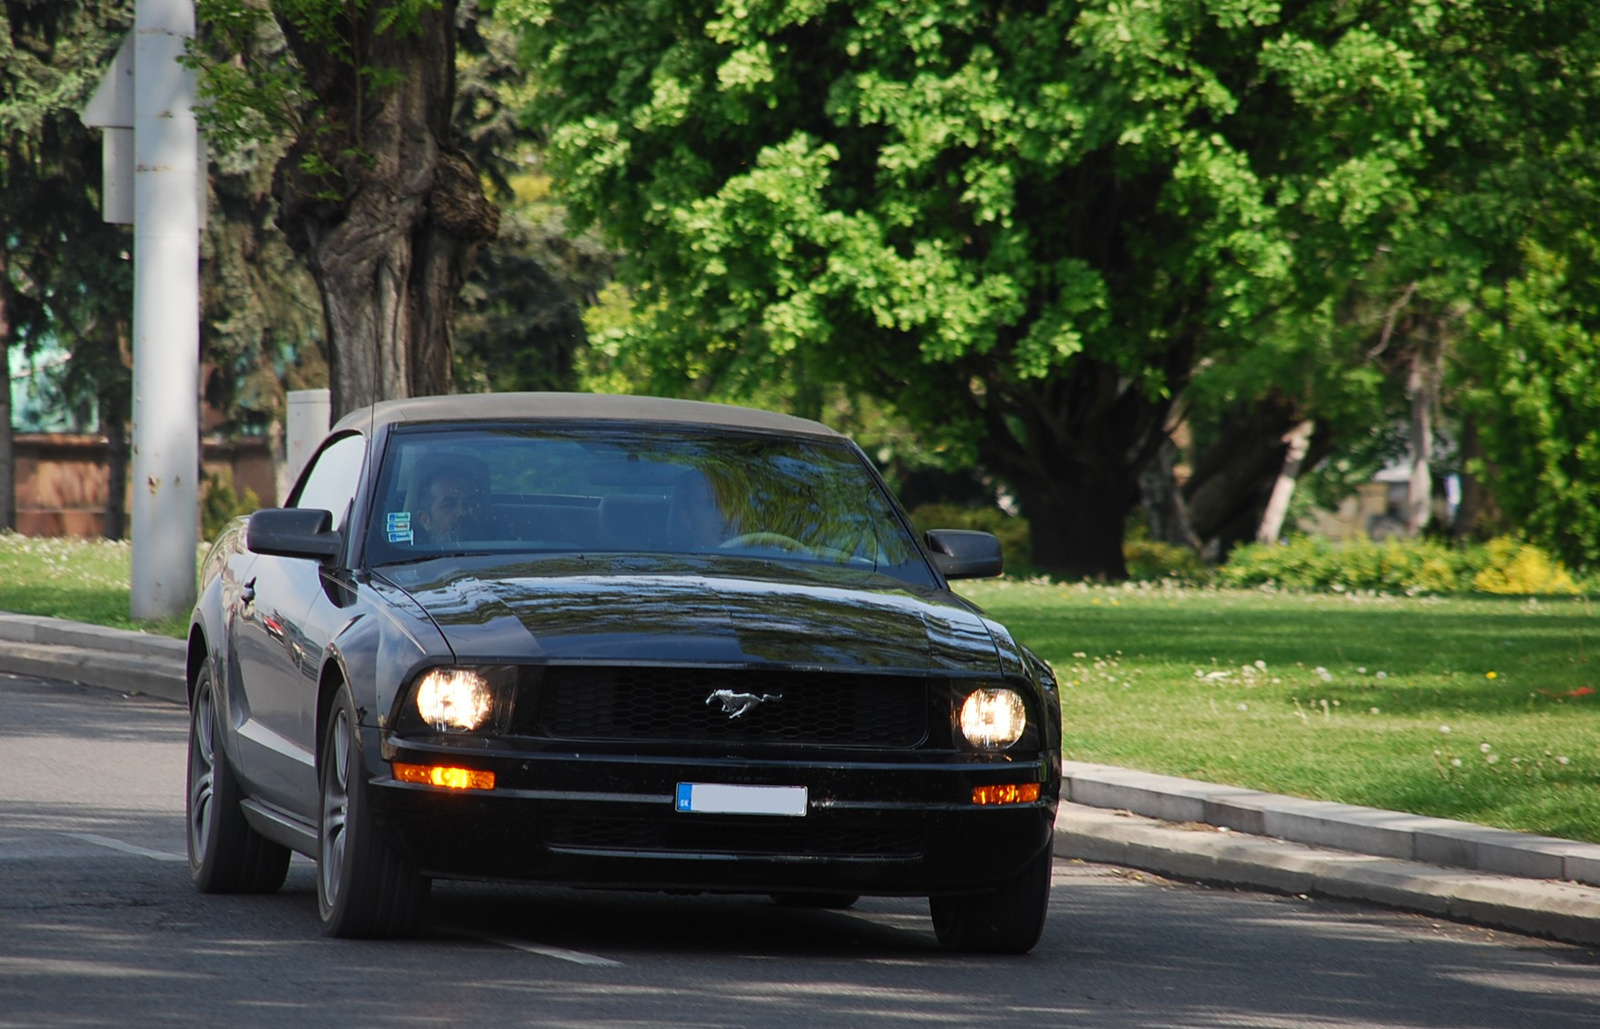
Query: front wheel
(225, 854)
(1007, 920)
(366, 888)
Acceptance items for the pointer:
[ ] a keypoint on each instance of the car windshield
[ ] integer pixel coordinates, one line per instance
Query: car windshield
(656, 489)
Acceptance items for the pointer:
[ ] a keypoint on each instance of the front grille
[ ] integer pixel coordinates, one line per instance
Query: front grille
(700, 834)
(671, 704)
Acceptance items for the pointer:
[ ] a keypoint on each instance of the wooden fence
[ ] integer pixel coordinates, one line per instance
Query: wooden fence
(63, 479)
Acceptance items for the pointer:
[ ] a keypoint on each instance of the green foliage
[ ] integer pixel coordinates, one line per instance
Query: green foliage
(1513, 567)
(1153, 561)
(1421, 566)
(65, 275)
(253, 94)
(221, 503)
(1025, 226)
(1536, 395)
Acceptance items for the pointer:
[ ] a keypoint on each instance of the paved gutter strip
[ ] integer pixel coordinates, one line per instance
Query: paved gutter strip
(1449, 869)
(160, 677)
(1558, 910)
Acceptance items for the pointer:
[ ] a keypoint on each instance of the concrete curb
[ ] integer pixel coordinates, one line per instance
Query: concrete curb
(1162, 824)
(1365, 830)
(113, 659)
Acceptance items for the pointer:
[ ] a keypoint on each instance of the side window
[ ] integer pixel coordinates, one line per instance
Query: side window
(335, 472)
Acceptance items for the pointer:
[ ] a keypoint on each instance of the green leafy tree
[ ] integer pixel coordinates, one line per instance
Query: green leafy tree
(261, 317)
(64, 274)
(519, 323)
(1023, 225)
(1439, 344)
(373, 190)
(1537, 398)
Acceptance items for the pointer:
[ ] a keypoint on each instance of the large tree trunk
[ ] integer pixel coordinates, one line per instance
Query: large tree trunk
(1165, 513)
(1475, 514)
(1076, 521)
(1298, 441)
(391, 226)
(1072, 450)
(1422, 388)
(1235, 473)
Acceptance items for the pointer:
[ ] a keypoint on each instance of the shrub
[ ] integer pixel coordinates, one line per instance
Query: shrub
(1150, 560)
(1503, 565)
(222, 503)
(1521, 568)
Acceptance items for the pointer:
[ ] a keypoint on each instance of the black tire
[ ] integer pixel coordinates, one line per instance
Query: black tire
(366, 888)
(225, 854)
(1007, 920)
(826, 901)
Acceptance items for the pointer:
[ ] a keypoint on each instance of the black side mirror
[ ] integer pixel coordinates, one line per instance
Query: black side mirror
(293, 532)
(965, 554)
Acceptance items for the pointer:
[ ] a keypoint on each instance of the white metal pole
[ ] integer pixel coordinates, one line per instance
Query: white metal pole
(166, 313)
(307, 422)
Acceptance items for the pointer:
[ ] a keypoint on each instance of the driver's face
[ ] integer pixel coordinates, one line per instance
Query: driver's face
(452, 502)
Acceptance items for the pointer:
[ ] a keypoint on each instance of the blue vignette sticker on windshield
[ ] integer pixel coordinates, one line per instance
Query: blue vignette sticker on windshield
(399, 526)
(726, 799)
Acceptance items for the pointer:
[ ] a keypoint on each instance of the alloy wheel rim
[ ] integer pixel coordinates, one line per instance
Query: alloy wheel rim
(335, 807)
(202, 770)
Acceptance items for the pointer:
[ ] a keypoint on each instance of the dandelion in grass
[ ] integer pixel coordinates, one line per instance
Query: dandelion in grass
(1485, 747)
(1493, 759)
(1491, 674)
(1373, 710)
(1381, 675)
(1444, 729)
(1455, 762)
(1563, 760)
(1323, 673)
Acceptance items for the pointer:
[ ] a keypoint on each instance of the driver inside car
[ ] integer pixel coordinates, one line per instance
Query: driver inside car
(453, 502)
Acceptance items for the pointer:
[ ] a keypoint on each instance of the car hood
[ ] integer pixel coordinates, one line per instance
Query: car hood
(787, 616)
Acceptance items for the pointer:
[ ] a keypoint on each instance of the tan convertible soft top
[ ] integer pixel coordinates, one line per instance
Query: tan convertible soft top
(576, 407)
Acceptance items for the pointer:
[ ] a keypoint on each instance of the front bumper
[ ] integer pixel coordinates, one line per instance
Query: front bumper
(902, 825)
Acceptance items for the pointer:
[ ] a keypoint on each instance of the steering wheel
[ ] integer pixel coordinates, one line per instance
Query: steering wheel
(765, 541)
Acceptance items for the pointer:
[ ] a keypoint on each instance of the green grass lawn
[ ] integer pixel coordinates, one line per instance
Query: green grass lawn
(1475, 708)
(1483, 709)
(81, 580)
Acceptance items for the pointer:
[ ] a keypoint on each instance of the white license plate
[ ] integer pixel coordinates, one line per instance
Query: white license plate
(725, 799)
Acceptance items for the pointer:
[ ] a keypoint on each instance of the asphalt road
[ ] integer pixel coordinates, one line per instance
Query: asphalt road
(100, 927)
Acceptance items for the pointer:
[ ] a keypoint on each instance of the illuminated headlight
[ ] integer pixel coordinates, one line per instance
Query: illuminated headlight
(455, 699)
(993, 719)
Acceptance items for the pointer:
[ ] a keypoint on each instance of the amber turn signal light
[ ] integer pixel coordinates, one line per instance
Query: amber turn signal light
(441, 775)
(1008, 793)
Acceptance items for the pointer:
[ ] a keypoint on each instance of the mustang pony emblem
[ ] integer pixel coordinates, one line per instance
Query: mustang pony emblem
(736, 704)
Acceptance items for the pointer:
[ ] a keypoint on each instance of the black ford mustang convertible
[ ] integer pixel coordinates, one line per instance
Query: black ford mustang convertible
(613, 641)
